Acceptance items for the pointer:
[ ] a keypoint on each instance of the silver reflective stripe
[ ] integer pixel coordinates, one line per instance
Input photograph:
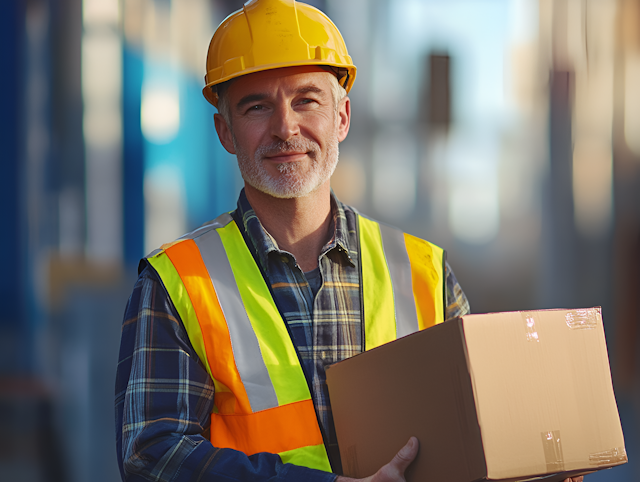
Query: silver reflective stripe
(246, 349)
(400, 271)
(153, 253)
(219, 222)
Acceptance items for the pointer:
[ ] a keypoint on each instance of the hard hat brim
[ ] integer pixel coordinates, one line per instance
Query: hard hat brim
(346, 81)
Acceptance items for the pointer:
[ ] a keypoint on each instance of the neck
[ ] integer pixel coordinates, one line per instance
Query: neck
(299, 225)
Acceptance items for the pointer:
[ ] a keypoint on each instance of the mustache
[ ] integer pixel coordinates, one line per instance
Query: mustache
(284, 147)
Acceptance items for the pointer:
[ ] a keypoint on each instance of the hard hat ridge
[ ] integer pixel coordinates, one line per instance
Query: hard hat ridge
(271, 34)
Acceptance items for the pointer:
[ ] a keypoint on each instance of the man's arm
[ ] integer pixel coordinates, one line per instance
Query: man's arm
(164, 397)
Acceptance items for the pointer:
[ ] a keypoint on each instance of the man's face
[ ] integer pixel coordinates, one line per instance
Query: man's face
(285, 129)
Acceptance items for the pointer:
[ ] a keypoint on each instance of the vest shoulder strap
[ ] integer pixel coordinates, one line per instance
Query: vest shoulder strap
(402, 282)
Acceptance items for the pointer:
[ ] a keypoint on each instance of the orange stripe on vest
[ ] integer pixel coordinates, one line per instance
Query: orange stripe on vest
(187, 260)
(420, 253)
(275, 430)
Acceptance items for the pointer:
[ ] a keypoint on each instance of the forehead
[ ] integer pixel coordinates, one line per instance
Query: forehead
(288, 79)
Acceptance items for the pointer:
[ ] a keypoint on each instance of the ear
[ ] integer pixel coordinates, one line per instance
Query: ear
(224, 133)
(344, 116)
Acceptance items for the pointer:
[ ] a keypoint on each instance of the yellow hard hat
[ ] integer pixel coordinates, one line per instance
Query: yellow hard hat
(270, 34)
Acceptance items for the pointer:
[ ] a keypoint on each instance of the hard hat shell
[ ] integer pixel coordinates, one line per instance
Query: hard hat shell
(271, 34)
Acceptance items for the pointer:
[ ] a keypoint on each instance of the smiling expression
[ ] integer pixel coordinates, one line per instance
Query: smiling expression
(285, 129)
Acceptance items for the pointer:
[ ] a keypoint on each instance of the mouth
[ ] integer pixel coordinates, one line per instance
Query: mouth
(284, 157)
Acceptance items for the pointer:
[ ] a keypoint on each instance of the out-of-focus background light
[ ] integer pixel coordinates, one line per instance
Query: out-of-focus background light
(160, 113)
(506, 131)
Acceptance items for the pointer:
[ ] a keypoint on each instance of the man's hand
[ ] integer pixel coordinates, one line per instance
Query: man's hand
(394, 470)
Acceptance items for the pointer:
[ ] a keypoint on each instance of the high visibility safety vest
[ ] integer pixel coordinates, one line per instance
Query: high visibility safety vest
(262, 402)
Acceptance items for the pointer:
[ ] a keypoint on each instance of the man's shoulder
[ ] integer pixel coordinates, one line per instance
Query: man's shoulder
(218, 222)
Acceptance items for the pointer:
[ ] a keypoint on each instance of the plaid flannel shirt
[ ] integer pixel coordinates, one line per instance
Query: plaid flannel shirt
(164, 395)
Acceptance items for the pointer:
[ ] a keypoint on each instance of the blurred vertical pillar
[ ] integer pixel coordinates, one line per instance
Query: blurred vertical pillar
(558, 277)
(30, 450)
(434, 121)
(132, 156)
(102, 128)
(626, 156)
(26, 211)
(66, 126)
(12, 315)
(37, 183)
(439, 100)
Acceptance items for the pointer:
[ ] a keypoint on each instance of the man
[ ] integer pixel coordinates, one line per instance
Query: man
(229, 330)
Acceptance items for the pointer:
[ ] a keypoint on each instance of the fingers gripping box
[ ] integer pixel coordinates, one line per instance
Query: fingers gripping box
(501, 396)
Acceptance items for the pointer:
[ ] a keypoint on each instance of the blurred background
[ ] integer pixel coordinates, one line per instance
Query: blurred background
(507, 132)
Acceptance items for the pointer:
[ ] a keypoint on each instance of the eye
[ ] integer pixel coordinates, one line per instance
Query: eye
(307, 103)
(255, 109)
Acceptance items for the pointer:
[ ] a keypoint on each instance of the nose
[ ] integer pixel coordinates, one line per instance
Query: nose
(284, 122)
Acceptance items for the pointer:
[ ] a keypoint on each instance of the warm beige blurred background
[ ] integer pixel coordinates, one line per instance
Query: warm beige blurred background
(506, 131)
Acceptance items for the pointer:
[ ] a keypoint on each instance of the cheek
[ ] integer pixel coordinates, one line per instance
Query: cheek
(330, 131)
(248, 137)
(323, 129)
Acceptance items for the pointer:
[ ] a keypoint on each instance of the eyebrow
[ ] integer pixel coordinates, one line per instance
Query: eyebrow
(247, 99)
(309, 88)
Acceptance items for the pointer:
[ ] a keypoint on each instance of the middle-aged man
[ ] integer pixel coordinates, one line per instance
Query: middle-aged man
(229, 329)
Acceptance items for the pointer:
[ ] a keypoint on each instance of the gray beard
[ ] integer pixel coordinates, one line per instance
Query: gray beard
(293, 181)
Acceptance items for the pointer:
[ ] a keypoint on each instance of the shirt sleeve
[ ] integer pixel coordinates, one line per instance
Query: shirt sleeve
(164, 397)
(456, 301)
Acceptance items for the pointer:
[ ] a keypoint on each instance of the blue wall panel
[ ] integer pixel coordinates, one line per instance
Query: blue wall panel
(12, 279)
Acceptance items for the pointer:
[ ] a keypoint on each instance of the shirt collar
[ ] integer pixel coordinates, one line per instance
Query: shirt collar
(264, 244)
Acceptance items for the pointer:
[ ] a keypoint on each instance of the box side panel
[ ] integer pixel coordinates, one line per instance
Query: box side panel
(543, 391)
(418, 385)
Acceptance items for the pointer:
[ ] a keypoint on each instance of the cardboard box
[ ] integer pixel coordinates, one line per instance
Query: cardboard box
(502, 396)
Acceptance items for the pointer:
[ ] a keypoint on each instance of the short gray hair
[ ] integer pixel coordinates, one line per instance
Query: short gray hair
(338, 93)
(224, 109)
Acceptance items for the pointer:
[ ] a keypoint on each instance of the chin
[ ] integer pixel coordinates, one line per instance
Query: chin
(292, 180)
(285, 191)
